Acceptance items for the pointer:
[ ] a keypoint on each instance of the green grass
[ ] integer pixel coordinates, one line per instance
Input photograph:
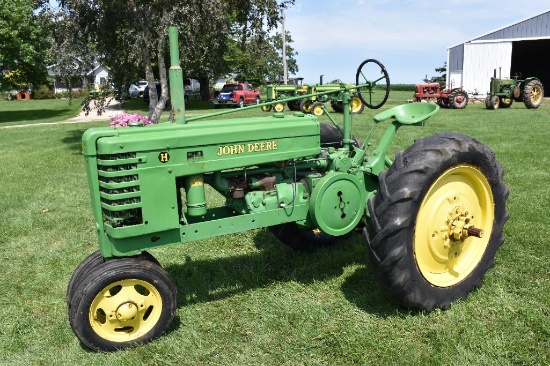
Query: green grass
(37, 111)
(245, 299)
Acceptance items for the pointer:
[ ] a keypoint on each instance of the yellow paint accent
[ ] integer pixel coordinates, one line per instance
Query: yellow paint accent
(460, 193)
(250, 147)
(119, 312)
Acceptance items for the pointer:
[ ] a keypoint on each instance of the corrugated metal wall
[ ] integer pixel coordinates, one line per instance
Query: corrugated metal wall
(535, 27)
(480, 61)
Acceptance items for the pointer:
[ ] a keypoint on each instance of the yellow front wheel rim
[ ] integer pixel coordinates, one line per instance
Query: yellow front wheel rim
(355, 104)
(317, 110)
(125, 310)
(447, 247)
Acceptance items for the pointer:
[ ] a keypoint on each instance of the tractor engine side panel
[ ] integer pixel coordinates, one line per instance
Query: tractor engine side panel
(133, 171)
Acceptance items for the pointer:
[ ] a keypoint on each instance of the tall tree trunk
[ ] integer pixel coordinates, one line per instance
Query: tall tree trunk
(152, 88)
(204, 87)
(164, 92)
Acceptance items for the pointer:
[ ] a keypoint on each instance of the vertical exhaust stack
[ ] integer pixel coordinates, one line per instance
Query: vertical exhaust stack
(177, 93)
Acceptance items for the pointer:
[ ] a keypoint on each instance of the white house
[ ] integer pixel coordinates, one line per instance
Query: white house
(522, 47)
(98, 75)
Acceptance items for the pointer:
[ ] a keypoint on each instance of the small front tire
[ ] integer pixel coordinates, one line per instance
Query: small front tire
(122, 302)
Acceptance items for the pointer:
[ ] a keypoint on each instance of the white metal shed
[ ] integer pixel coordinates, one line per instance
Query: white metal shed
(522, 47)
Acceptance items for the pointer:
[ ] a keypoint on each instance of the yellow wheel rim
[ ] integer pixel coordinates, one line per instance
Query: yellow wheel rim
(453, 226)
(279, 107)
(317, 110)
(355, 104)
(536, 94)
(125, 310)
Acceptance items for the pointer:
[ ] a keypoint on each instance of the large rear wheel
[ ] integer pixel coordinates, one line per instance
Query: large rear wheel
(458, 99)
(532, 94)
(437, 221)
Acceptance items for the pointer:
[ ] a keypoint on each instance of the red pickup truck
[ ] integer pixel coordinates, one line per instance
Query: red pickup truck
(236, 95)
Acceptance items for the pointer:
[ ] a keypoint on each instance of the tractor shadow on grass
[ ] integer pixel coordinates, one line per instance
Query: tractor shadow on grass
(73, 140)
(201, 281)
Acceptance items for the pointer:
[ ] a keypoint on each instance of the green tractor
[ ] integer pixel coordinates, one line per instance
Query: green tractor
(277, 92)
(432, 217)
(371, 71)
(503, 92)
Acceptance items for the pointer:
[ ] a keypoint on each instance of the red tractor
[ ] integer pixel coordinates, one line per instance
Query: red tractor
(447, 98)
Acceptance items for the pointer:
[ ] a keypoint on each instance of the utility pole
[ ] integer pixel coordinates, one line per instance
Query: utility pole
(285, 71)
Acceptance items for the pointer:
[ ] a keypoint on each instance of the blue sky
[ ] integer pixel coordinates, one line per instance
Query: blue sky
(409, 37)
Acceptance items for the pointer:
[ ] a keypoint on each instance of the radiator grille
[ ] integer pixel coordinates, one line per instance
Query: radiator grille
(119, 189)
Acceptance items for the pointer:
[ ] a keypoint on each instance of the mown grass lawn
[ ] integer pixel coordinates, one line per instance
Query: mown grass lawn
(245, 299)
(17, 112)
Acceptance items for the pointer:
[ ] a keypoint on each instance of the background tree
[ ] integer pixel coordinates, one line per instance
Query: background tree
(23, 46)
(441, 79)
(259, 59)
(135, 33)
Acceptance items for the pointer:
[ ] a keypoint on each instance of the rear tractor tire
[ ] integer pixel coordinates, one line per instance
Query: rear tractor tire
(458, 99)
(532, 94)
(437, 221)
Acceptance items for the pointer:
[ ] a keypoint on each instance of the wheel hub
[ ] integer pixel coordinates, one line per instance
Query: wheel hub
(126, 311)
(458, 225)
(451, 236)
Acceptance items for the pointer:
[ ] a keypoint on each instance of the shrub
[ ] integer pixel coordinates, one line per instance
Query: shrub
(43, 92)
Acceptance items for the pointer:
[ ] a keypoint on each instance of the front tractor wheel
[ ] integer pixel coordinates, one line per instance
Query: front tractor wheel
(356, 106)
(437, 221)
(532, 94)
(492, 102)
(318, 109)
(279, 107)
(122, 302)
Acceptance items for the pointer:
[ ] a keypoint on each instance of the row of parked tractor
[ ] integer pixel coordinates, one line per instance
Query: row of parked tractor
(502, 93)
(309, 104)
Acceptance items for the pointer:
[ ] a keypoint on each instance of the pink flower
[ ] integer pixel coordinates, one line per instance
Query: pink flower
(124, 119)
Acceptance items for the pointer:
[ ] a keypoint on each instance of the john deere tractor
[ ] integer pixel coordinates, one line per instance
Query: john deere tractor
(503, 92)
(432, 217)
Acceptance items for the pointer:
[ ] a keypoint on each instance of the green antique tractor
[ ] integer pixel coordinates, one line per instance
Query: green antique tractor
(370, 70)
(432, 218)
(503, 92)
(279, 92)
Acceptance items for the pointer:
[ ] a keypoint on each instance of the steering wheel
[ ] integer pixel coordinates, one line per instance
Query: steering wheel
(373, 75)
